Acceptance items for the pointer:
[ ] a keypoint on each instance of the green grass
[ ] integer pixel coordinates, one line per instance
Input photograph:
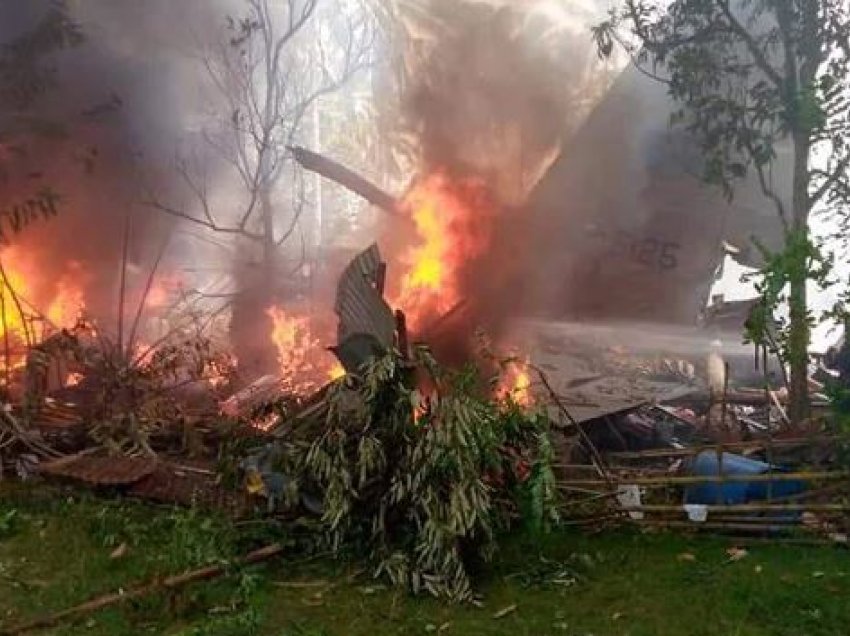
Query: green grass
(55, 552)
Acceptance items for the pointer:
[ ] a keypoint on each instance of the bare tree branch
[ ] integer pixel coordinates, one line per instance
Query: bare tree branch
(752, 46)
(203, 223)
(835, 175)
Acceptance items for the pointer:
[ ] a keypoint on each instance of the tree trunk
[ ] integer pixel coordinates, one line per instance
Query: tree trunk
(799, 334)
(260, 289)
(798, 351)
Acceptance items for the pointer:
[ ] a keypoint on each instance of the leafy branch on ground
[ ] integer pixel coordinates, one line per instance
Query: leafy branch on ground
(419, 480)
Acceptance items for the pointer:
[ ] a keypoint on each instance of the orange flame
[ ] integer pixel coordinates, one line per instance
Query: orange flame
(515, 384)
(450, 218)
(291, 337)
(18, 315)
(266, 422)
(336, 372)
(73, 379)
(15, 286)
(64, 310)
(303, 363)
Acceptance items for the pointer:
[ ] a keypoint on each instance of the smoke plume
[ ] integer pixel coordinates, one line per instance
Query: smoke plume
(492, 89)
(107, 119)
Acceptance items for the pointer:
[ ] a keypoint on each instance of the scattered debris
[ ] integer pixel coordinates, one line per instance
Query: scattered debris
(119, 552)
(510, 609)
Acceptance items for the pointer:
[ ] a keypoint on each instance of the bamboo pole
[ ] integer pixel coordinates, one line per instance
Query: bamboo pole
(724, 404)
(728, 446)
(586, 500)
(710, 479)
(580, 467)
(115, 598)
(144, 299)
(709, 525)
(591, 448)
(749, 507)
(122, 289)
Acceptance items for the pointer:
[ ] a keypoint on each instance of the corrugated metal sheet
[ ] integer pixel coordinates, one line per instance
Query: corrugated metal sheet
(359, 305)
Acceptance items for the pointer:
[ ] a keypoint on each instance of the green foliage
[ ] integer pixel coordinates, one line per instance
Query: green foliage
(537, 494)
(240, 617)
(303, 629)
(801, 259)
(187, 537)
(420, 484)
(747, 76)
(8, 523)
(242, 623)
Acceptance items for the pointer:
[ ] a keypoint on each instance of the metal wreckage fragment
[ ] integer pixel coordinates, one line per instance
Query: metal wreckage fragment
(366, 330)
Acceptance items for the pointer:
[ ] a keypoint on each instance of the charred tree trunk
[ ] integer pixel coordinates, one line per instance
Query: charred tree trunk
(251, 326)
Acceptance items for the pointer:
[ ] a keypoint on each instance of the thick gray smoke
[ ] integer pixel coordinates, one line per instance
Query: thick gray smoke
(493, 88)
(109, 118)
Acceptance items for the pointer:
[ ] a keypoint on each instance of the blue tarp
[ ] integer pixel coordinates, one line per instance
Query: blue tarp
(707, 464)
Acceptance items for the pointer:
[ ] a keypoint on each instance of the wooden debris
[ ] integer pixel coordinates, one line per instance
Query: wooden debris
(140, 591)
(260, 391)
(510, 609)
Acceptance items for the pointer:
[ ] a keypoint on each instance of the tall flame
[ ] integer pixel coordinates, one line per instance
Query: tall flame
(451, 222)
(69, 301)
(291, 337)
(14, 287)
(336, 371)
(303, 364)
(18, 313)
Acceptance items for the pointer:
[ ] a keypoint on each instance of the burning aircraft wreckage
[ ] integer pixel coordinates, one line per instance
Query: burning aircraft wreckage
(607, 334)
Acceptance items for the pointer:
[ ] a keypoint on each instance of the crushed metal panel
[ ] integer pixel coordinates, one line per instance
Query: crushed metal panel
(361, 309)
(591, 367)
(609, 396)
(359, 305)
(261, 391)
(356, 348)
